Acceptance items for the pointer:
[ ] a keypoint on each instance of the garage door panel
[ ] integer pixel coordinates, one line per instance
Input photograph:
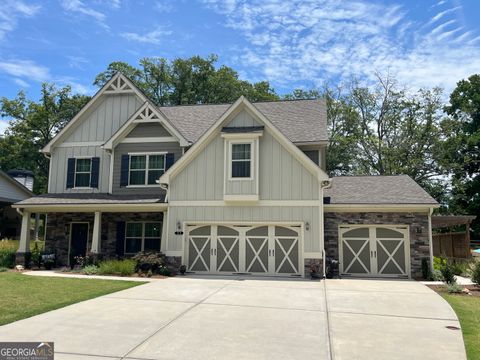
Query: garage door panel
(199, 253)
(286, 255)
(228, 254)
(374, 250)
(256, 255)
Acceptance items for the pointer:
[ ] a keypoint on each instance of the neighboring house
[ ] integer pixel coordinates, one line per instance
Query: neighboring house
(11, 191)
(234, 188)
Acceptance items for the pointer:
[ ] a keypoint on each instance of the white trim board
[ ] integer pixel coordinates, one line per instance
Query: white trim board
(140, 140)
(378, 207)
(283, 203)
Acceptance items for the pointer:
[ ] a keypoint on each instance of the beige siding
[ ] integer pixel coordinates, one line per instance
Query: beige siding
(58, 174)
(243, 119)
(148, 130)
(237, 214)
(100, 122)
(282, 177)
(170, 147)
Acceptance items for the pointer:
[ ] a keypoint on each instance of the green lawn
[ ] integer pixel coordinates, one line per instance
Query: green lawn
(22, 296)
(468, 312)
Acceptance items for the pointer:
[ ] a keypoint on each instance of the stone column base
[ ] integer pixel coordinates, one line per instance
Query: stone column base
(314, 264)
(23, 258)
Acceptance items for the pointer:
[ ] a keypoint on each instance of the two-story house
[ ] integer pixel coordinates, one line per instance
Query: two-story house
(222, 189)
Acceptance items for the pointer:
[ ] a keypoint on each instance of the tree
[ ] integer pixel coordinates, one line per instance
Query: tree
(32, 126)
(194, 80)
(462, 155)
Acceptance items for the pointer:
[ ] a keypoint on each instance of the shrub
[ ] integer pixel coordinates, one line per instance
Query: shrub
(3, 269)
(458, 268)
(439, 262)
(448, 274)
(7, 257)
(90, 270)
(117, 267)
(150, 261)
(426, 274)
(36, 256)
(454, 288)
(437, 275)
(165, 271)
(476, 273)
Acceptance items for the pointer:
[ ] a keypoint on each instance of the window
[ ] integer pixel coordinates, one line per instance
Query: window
(83, 171)
(241, 161)
(146, 169)
(142, 236)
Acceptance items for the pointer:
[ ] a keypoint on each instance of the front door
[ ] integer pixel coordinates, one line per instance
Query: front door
(78, 241)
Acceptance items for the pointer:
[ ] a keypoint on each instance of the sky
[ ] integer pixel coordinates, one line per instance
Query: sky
(293, 44)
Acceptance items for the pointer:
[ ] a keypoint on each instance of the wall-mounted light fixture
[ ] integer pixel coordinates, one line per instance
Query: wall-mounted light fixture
(178, 230)
(307, 226)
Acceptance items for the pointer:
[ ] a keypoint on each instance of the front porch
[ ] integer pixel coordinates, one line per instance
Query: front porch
(79, 224)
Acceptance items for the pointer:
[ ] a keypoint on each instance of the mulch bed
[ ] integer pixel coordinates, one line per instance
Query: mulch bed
(473, 290)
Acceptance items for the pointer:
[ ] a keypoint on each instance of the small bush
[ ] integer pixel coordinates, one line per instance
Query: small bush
(90, 270)
(448, 274)
(454, 288)
(150, 261)
(439, 262)
(426, 274)
(458, 268)
(117, 267)
(7, 257)
(36, 256)
(165, 271)
(437, 275)
(476, 273)
(3, 269)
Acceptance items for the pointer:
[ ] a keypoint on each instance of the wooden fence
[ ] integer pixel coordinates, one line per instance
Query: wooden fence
(451, 245)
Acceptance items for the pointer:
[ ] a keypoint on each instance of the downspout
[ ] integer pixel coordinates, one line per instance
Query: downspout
(324, 184)
(430, 238)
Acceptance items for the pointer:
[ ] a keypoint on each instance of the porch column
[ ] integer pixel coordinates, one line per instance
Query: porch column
(97, 233)
(23, 252)
(37, 225)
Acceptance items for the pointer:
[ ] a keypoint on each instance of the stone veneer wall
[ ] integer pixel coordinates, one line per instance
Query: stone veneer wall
(418, 224)
(58, 231)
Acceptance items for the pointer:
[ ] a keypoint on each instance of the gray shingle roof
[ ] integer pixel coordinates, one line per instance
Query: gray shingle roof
(75, 199)
(399, 189)
(299, 120)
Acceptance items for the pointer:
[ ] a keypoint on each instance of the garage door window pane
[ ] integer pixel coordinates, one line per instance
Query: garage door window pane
(357, 233)
(388, 233)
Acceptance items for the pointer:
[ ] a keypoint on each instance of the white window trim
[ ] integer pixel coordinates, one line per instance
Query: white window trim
(146, 154)
(82, 172)
(143, 237)
(252, 159)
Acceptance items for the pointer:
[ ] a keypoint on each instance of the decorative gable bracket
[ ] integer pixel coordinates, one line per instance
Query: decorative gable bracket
(119, 86)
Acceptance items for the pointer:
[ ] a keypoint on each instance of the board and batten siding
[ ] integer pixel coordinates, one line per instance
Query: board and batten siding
(148, 130)
(237, 214)
(100, 122)
(58, 173)
(282, 177)
(121, 149)
(243, 119)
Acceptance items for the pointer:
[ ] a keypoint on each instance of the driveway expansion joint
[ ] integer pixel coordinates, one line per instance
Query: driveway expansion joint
(393, 316)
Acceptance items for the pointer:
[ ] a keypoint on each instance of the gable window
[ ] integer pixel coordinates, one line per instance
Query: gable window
(146, 169)
(241, 162)
(142, 236)
(83, 172)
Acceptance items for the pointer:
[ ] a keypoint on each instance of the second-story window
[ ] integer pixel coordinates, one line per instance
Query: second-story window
(241, 161)
(83, 172)
(146, 169)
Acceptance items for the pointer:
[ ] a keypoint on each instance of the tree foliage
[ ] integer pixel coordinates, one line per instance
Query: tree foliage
(462, 148)
(32, 126)
(194, 80)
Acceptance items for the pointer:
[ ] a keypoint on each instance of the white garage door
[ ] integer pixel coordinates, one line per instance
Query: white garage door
(230, 249)
(374, 251)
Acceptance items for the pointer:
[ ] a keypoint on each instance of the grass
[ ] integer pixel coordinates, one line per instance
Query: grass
(22, 296)
(468, 312)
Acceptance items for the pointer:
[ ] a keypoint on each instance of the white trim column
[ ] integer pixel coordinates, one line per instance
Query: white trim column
(97, 233)
(24, 245)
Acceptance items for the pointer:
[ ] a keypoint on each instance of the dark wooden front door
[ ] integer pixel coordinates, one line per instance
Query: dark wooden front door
(78, 245)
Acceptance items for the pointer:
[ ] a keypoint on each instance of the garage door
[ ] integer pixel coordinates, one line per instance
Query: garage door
(374, 251)
(259, 250)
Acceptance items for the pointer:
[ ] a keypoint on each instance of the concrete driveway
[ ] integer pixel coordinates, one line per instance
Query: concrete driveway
(246, 318)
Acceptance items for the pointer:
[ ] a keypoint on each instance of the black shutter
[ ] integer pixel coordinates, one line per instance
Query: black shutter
(120, 238)
(95, 172)
(70, 173)
(124, 170)
(169, 160)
